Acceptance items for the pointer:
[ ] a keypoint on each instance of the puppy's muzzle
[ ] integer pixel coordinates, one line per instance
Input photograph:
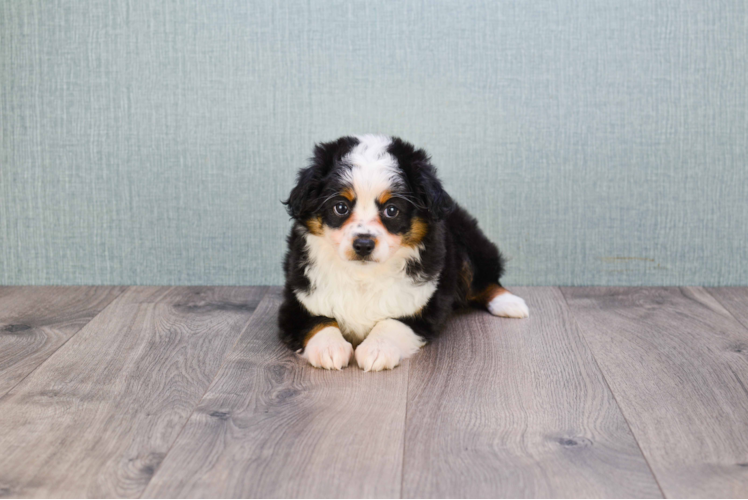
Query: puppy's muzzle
(364, 245)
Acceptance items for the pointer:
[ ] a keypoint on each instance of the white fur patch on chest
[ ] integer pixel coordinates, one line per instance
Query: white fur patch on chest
(359, 295)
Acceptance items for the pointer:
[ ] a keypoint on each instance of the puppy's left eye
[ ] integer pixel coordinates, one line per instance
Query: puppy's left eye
(391, 211)
(341, 208)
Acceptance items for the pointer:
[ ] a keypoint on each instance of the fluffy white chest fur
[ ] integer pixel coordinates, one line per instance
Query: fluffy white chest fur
(359, 295)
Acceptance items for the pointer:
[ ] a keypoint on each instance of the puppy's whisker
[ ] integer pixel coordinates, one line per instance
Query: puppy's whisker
(412, 201)
(319, 206)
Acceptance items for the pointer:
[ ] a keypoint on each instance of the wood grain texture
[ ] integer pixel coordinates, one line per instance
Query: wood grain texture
(36, 321)
(273, 426)
(735, 300)
(98, 417)
(676, 361)
(517, 408)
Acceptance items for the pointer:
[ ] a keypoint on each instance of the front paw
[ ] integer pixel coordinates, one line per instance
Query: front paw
(377, 354)
(328, 349)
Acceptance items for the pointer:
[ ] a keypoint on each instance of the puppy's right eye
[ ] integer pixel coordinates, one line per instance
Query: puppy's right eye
(341, 208)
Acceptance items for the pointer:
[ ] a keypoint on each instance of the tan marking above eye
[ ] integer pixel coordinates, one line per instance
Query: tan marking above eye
(384, 197)
(348, 194)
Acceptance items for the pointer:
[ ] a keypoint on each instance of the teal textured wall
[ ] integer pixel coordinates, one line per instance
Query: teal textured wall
(149, 142)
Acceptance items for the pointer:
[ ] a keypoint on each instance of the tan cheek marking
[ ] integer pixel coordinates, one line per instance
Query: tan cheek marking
(317, 328)
(348, 194)
(386, 195)
(487, 294)
(418, 230)
(314, 225)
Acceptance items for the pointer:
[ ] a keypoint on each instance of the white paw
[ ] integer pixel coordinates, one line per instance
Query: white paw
(377, 354)
(508, 305)
(388, 343)
(328, 349)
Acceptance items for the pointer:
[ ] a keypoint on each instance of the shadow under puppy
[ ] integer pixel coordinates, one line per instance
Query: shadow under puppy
(379, 255)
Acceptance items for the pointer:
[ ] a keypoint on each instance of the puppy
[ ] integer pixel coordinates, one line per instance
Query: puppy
(379, 255)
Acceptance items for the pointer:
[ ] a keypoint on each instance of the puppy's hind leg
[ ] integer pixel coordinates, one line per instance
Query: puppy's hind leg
(500, 302)
(507, 305)
(482, 268)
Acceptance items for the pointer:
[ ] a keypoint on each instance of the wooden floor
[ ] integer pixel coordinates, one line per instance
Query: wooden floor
(186, 392)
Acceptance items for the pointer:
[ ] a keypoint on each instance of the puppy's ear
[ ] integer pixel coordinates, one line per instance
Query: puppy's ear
(301, 202)
(430, 190)
(421, 177)
(306, 196)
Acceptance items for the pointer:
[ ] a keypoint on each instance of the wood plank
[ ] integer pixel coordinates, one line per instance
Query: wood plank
(675, 360)
(273, 426)
(517, 408)
(35, 321)
(98, 417)
(735, 300)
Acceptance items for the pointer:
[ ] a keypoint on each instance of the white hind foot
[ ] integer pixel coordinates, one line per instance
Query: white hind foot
(508, 305)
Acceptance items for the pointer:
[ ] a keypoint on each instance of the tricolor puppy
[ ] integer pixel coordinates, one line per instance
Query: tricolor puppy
(379, 255)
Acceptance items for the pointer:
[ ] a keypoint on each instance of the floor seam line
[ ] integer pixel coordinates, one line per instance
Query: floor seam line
(64, 343)
(607, 386)
(207, 389)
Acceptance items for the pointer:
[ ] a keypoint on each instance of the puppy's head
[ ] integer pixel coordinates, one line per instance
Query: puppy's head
(369, 197)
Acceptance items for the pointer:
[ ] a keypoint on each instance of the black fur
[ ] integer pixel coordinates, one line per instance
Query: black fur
(455, 250)
(421, 178)
(312, 182)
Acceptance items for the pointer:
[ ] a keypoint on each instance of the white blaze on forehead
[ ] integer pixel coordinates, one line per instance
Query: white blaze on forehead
(373, 171)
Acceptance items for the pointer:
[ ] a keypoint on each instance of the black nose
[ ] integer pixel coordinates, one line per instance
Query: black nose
(363, 245)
